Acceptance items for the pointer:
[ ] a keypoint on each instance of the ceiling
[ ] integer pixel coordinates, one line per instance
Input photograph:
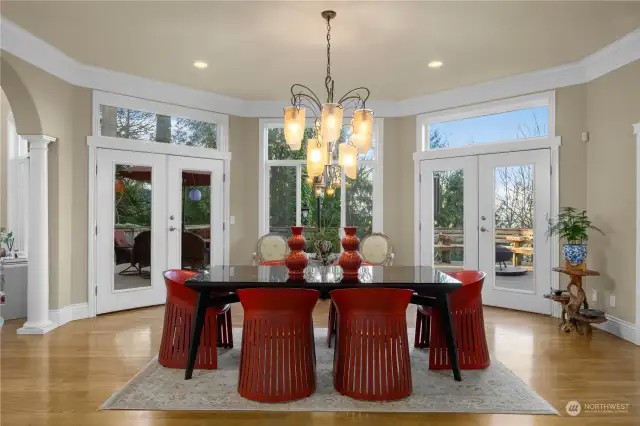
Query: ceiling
(256, 50)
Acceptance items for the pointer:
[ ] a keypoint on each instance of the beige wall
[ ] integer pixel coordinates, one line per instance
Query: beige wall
(44, 104)
(243, 144)
(613, 106)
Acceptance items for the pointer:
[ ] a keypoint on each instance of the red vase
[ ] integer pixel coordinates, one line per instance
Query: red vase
(296, 261)
(350, 259)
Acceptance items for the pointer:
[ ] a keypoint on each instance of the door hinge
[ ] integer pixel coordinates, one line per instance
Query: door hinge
(420, 177)
(224, 177)
(96, 290)
(96, 230)
(96, 169)
(551, 170)
(420, 227)
(223, 226)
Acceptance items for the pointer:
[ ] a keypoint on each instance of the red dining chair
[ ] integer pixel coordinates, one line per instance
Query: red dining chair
(277, 360)
(468, 322)
(179, 315)
(333, 315)
(371, 360)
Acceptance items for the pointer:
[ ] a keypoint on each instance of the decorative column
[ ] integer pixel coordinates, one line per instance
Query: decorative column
(38, 267)
(636, 130)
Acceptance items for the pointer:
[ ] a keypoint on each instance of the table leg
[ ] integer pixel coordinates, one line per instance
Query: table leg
(196, 332)
(452, 347)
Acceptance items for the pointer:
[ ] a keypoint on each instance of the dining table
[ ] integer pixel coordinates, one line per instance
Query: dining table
(217, 285)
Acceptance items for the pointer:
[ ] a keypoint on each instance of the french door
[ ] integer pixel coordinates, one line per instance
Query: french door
(488, 212)
(153, 212)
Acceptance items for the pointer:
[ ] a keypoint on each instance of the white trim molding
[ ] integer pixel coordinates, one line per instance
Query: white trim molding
(77, 311)
(39, 53)
(636, 131)
(38, 267)
(623, 329)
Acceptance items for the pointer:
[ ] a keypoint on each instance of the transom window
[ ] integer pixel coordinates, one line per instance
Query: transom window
(143, 120)
(502, 121)
(286, 190)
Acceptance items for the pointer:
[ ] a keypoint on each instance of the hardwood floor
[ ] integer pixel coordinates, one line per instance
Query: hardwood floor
(63, 377)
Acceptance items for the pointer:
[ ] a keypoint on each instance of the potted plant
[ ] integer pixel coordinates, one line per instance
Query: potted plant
(323, 241)
(572, 225)
(7, 239)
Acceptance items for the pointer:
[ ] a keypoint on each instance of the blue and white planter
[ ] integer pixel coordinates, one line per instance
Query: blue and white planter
(575, 254)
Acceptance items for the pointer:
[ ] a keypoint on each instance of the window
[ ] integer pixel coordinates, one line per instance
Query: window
(139, 119)
(17, 186)
(132, 124)
(503, 121)
(285, 189)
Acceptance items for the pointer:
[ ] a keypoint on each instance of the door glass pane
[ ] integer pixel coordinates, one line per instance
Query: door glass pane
(448, 217)
(196, 208)
(282, 199)
(132, 233)
(513, 236)
(360, 201)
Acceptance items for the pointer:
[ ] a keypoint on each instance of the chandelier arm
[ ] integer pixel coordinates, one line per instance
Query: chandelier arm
(351, 103)
(298, 90)
(354, 93)
(302, 102)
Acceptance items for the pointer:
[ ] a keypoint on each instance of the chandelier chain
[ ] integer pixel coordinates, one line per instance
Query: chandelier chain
(328, 80)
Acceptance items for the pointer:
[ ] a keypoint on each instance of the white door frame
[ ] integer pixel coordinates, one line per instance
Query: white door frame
(552, 142)
(636, 130)
(95, 142)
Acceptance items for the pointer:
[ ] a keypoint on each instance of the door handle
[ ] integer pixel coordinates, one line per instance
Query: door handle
(172, 228)
(483, 229)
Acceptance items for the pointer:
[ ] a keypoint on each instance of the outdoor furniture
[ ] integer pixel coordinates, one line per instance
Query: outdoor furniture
(372, 359)
(278, 361)
(503, 255)
(468, 322)
(517, 241)
(376, 250)
(142, 250)
(518, 247)
(270, 247)
(123, 251)
(179, 314)
(227, 278)
(194, 251)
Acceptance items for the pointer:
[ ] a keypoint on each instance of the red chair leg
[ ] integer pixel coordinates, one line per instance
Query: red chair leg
(229, 329)
(423, 323)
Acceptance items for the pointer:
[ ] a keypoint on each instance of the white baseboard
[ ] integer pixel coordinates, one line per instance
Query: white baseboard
(623, 329)
(69, 313)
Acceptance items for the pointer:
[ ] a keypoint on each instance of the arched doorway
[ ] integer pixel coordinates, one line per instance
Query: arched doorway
(26, 120)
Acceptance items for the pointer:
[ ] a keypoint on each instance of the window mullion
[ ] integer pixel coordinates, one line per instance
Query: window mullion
(298, 194)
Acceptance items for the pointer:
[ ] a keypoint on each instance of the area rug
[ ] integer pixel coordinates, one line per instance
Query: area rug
(494, 390)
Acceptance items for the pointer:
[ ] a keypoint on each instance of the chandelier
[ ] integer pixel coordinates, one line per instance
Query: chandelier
(329, 132)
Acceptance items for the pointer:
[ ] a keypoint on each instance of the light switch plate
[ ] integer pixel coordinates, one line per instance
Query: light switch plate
(232, 220)
(612, 300)
(594, 295)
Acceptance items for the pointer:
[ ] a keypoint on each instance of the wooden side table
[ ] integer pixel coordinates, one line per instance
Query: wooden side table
(573, 317)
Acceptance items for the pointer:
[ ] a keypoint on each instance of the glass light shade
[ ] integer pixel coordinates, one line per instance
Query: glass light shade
(294, 126)
(316, 153)
(330, 191)
(119, 186)
(331, 122)
(347, 155)
(362, 136)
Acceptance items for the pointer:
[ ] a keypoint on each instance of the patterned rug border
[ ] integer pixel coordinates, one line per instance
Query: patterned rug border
(152, 365)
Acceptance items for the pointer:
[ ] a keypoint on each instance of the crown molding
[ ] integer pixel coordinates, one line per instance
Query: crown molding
(39, 53)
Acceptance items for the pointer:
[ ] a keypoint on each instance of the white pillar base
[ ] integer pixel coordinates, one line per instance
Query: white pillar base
(42, 328)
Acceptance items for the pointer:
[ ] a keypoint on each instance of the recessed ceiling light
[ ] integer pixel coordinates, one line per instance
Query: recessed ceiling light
(435, 64)
(200, 64)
